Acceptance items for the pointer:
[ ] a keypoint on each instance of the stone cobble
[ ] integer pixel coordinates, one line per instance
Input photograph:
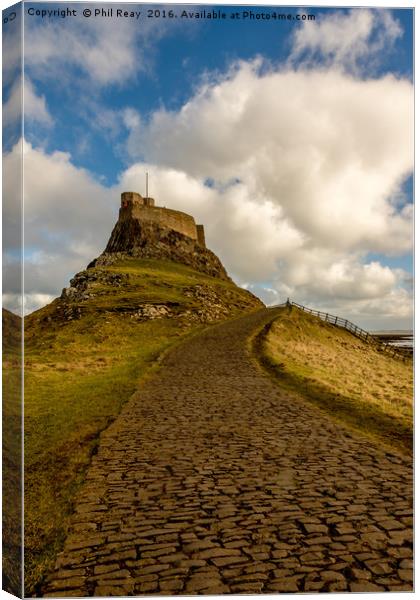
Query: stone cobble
(213, 480)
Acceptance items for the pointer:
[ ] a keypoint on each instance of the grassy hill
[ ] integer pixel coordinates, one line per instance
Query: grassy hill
(86, 353)
(12, 447)
(11, 334)
(342, 375)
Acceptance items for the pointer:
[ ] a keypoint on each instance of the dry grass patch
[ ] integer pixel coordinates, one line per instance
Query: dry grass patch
(369, 390)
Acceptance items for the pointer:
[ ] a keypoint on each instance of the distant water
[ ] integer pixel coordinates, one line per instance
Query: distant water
(397, 337)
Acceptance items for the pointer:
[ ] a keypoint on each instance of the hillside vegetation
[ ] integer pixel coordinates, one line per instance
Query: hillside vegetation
(342, 375)
(86, 353)
(12, 451)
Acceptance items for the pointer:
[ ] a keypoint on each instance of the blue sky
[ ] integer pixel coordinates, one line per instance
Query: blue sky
(107, 98)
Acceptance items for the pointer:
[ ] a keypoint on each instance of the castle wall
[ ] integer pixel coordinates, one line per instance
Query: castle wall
(134, 206)
(200, 235)
(131, 198)
(164, 217)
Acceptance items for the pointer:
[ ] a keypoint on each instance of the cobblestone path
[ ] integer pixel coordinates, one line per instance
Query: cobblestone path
(212, 480)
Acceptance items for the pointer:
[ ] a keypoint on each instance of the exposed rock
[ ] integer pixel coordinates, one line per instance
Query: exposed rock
(210, 304)
(133, 238)
(152, 311)
(136, 237)
(85, 284)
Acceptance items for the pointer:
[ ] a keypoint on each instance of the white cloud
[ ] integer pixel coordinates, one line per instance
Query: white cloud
(106, 51)
(131, 118)
(322, 275)
(249, 236)
(352, 39)
(12, 48)
(35, 106)
(330, 154)
(67, 220)
(391, 311)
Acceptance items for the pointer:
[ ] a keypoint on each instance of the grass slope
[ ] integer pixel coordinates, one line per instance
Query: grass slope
(12, 451)
(343, 375)
(79, 373)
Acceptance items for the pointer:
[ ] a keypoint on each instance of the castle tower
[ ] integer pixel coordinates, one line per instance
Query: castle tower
(200, 236)
(143, 209)
(130, 199)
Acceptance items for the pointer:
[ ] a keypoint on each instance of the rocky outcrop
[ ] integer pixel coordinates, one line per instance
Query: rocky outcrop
(85, 284)
(205, 304)
(137, 239)
(103, 288)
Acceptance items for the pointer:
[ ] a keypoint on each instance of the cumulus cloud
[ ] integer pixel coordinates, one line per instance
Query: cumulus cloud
(67, 220)
(31, 302)
(106, 51)
(250, 238)
(352, 40)
(331, 153)
(34, 106)
(12, 46)
(394, 310)
(343, 278)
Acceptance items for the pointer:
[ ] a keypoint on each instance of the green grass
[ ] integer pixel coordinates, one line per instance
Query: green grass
(69, 398)
(78, 375)
(12, 453)
(368, 390)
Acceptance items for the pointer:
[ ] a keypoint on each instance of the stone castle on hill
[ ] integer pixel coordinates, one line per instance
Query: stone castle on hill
(134, 206)
(144, 230)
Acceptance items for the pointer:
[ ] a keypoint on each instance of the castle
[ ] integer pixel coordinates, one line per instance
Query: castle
(134, 206)
(151, 232)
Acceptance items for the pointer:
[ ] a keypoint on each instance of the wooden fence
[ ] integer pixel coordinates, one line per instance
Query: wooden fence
(395, 351)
